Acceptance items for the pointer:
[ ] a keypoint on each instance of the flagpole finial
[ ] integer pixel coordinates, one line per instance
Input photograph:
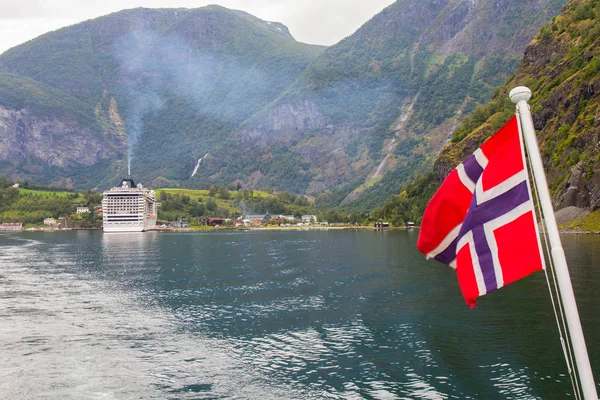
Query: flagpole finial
(520, 93)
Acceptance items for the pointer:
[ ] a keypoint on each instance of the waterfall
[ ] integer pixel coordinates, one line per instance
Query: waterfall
(197, 165)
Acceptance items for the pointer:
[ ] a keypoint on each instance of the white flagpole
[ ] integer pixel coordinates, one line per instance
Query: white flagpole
(519, 96)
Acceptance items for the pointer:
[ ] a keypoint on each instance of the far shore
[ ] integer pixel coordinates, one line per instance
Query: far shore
(264, 228)
(211, 228)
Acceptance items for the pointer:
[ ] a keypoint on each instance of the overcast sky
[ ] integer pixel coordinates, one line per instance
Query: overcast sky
(310, 21)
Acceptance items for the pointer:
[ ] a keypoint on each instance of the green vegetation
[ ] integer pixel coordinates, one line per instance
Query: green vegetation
(31, 206)
(18, 92)
(587, 223)
(592, 222)
(222, 67)
(219, 201)
(445, 90)
(408, 206)
(38, 202)
(46, 192)
(561, 76)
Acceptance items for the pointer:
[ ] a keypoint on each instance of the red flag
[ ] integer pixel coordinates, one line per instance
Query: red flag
(481, 220)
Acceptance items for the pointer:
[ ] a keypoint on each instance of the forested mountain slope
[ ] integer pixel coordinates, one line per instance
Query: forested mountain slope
(561, 66)
(165, 84)
(216, 96)
(376, 107)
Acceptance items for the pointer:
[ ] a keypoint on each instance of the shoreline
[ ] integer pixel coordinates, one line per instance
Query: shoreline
(266, 228)
(211, 228)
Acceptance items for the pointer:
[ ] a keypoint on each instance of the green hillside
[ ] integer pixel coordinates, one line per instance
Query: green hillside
(178, 79)
(562, 68)
(373, 110)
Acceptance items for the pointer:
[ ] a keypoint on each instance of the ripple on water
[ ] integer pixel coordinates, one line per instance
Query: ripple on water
(159, 317)
(84, 338)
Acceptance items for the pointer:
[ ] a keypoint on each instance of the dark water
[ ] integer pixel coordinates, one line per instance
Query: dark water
(273, 315)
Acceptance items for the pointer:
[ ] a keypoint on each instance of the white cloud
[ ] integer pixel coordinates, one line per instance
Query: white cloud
(310, 21)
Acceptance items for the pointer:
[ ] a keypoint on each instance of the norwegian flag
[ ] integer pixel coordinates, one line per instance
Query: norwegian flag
(481, 220)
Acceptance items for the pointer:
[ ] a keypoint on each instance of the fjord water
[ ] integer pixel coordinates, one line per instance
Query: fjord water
(264, 315)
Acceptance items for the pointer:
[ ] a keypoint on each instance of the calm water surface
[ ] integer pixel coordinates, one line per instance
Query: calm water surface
(273, 315)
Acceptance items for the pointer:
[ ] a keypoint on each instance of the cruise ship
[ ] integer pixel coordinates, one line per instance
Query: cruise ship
(128, 208)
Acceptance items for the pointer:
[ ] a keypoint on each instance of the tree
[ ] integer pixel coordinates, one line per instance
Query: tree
(197, 209)
(223, 193)
(92, 198)
(211, 205)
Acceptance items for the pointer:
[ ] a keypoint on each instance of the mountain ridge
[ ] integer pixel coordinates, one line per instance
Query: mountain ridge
(117, 59)
(561, 66)
(348, 124)
(390, 98)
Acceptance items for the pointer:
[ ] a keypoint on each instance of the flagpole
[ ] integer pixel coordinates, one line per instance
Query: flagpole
(519, 96)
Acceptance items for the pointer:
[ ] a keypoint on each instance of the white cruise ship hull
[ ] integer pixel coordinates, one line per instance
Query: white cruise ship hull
(122, 228)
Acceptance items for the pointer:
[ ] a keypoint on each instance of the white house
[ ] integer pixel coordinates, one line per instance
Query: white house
(50, 221)
(287, 217)
(81, 210)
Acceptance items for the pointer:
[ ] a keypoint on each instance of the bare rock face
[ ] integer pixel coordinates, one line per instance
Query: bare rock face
(594, 186)
(53, 141)
(285, 122)
(575, 192)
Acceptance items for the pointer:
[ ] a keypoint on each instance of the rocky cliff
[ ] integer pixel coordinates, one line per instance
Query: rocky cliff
(387, 98)
(561, 66)
(38, 144)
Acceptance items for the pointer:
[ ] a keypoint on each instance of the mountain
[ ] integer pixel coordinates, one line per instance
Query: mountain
(374, 109)
(158, 85)
(211, 95)
(561, 66)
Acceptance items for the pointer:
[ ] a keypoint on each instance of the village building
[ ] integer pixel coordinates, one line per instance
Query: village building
(240, 221)
(256, 219)
(213, 221)
(278, 220)
(83, 210)
(11, 226)
(380, 226)
(50, 222)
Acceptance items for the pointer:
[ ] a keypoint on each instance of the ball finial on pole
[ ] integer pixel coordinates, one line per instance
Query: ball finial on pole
(520, 93)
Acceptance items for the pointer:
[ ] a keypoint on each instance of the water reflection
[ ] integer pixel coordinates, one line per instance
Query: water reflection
(127, 247)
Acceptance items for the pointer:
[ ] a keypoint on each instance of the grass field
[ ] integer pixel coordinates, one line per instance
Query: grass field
(192, 193)
(592, 222)
(201, 193)
(60, 194)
